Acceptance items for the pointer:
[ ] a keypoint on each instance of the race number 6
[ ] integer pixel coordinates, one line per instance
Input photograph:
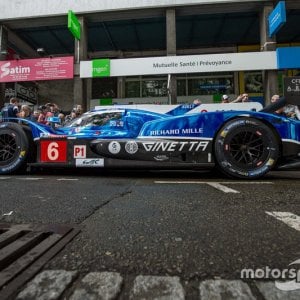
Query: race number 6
(53, 151)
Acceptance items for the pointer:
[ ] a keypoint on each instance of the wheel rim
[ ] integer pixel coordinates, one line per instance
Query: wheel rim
(8, 147)
(247, 149)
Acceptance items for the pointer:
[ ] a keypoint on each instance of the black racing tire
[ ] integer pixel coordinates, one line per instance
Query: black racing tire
(246, 148)
(14, 146)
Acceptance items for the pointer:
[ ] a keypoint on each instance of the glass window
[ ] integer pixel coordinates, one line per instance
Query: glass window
(253, 82)
(154, 88)
(104, 87)
(132, 89)
(210, 86)
(181, 87)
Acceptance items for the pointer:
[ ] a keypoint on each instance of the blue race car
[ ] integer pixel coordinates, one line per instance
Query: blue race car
(240, 139)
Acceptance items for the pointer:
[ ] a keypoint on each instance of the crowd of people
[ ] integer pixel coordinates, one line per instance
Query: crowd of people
(14, 110)
(289, 110)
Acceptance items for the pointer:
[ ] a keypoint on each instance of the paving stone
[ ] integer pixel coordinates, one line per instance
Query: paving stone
(98, 285)
(271, 292)
(157, 287)
(47, 285)
(225, 290)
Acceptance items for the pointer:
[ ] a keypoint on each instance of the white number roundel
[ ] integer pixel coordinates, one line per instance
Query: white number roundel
(114, 147)
(52, 151)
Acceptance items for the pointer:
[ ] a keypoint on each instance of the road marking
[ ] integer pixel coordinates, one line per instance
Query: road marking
(287, 218)
(5, 177)
(67, 179)
(222, 188)
(217, 185)
(221, 182)
(247, 182)
(30, 178)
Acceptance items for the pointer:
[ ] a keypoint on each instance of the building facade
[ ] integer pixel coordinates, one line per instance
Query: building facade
(120, 30)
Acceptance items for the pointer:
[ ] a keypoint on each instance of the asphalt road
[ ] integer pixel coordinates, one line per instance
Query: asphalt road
(194, 225)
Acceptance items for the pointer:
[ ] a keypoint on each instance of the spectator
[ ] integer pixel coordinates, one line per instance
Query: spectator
(26, 113)
(290, 111)
(274, 99)
(70, 117)
(35, 115)
(62, 119)
(197, 101)
(43, 114)
(78, 110)
(11, 110)
(241, 98)
(225, 99)
(50, 110)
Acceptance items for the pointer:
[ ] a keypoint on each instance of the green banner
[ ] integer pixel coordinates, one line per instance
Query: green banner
(217, 98)
(101, 67)
(105, 101)
(73, 25)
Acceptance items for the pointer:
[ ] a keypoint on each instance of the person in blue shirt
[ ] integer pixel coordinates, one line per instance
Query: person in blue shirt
(11, 111)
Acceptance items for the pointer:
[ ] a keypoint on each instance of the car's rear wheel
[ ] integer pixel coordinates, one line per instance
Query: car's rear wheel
(14, 148)
(246, 148)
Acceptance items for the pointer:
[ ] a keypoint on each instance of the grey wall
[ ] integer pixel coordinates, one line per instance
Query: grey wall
(57, 91)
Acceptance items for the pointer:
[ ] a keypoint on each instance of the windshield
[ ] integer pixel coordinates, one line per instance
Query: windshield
(110, 118)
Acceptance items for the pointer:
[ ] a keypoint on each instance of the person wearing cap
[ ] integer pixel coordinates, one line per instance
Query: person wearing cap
(225, 99)
(197, 101)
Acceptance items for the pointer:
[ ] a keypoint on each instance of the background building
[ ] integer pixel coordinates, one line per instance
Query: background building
(140, 28)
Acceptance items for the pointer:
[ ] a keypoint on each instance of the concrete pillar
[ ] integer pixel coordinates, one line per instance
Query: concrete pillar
(236, 83)
(270, 77)
(3, 49)
(121, 87)
(80, 88)
(171, 50)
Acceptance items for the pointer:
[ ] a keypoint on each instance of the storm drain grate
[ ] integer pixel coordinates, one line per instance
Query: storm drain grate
(24, 249)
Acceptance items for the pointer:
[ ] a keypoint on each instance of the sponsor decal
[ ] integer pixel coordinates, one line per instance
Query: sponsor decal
(163, 132)
(114, 147)
(89, 162)
(161, 157)
(22, 153)
(12, 166)
(131, 147)
(79, 151)
(52, 136)
(116, 123)
(174, 146)
(270, 162)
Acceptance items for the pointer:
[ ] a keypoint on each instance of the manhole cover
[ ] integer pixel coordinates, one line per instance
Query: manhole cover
(24, 249)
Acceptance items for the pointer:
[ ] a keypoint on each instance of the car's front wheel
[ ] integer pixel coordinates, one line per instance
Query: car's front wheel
(14, 146)
(246, 148)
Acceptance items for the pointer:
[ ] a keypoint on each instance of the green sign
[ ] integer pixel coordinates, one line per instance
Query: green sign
(73, 25)
(101, 67)
(105, 101)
